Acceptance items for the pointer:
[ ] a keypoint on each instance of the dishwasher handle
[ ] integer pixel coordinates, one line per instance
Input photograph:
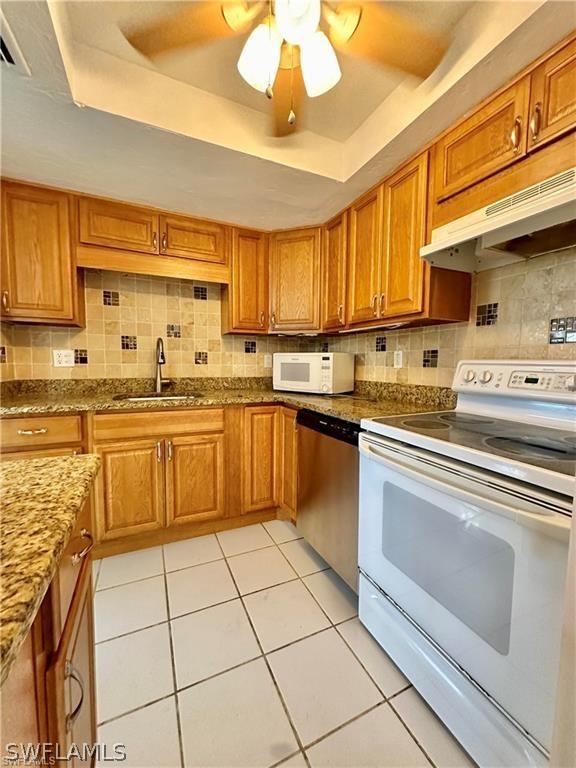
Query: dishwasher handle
(330, 426)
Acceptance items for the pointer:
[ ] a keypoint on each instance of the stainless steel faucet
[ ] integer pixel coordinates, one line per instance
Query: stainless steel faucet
(160, 361)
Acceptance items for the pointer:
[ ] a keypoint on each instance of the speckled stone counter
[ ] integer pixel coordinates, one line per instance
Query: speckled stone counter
(41, 499)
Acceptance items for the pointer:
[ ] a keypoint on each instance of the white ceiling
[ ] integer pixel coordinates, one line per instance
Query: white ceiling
(155, 138)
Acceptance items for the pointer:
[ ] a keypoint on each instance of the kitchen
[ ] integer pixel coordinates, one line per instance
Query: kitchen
(279, 450)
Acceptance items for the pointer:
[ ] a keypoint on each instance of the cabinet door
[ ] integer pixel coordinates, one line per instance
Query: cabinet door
(295, 280)
(194, 239)
(117, 225)
(404, 233)
(334, 256)
(365, 257)
(288, 461)
(260, 465)
(195, 485)
(553, 97)
(130, 488)
(489, 140)
(39, 279)
(248, 291)
(71, 678)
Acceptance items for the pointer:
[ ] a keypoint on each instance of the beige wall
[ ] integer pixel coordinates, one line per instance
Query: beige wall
(528, 296)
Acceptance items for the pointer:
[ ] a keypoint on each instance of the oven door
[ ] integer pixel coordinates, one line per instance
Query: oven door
(477, 562)
(297, 373)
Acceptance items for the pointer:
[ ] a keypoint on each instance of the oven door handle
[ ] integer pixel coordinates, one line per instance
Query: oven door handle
(551, 524)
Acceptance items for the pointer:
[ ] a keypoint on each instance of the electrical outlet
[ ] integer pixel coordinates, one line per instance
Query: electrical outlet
(398, 359)
(267, 361)
(63, 358)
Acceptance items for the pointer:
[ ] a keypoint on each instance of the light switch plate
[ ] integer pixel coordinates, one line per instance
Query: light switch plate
(398, 359)
(267, 361)
(63, 358)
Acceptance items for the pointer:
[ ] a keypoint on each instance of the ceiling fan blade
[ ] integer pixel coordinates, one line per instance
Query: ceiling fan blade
(284, 101)
(196, 24)
(388, 37)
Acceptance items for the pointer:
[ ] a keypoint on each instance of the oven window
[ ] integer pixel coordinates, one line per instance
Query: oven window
(464, 568)
(295, 371)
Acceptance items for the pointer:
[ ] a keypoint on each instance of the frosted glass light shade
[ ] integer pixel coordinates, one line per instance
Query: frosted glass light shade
(297, 19)
(320, 68)
(260, 57)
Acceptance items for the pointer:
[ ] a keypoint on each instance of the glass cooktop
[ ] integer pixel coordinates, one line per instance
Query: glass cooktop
(553, 449)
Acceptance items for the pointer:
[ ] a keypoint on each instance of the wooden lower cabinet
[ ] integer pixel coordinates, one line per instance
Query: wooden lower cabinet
(195, 481)
(288, 456)
(260, 452)
(130, 488)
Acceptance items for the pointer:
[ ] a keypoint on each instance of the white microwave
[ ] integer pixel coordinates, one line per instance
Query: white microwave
(324, 373)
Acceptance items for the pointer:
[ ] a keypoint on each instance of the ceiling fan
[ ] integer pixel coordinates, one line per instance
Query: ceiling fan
(291, 48)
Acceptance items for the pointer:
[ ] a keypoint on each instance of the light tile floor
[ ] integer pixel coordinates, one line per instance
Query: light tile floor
(243, 650)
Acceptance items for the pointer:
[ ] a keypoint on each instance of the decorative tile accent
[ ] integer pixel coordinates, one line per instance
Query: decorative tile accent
(250, 347)
(173, 331)
(380, 343)
(487, 314)
(111, 298)
(324, 347)
(201, 292)
(200, 358)
(562, 330)
(80, 357)
(129, 342)
(430, 358)
(2, 354)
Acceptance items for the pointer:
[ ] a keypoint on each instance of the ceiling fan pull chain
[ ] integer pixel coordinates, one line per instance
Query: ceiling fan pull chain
(291, 114)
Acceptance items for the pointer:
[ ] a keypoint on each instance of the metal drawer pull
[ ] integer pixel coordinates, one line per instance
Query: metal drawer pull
(273, 319)
(72, 672)
(516, 134)
(382, 300)
(155, 240)
(164, 241)
(158, 451)
(77, 557)
(170, 451)
(262, 318)
(375, 304)
(341, 314)
(535, 122)
(5, 302)
(31, 432)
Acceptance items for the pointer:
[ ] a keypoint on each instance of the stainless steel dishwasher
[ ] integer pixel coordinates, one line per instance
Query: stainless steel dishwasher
(328, 476)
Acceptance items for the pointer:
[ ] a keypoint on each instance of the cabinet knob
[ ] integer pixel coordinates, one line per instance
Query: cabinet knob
(516, 134)
(5, 302)
(535, 122)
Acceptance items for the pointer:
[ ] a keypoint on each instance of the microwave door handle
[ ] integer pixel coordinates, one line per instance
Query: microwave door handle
(548, 522)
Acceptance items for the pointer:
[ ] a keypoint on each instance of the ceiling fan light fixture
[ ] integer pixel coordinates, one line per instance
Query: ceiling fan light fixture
(320, 68)
(260, 57)
(297, 19)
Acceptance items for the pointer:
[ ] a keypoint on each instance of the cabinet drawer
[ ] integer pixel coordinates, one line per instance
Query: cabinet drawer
(113, 426)
(30, 432)
(41, 453)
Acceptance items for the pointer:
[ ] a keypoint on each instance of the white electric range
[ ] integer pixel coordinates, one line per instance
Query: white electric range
(464, 525)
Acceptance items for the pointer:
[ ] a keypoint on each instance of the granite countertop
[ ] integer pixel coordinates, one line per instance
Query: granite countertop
(350, 407)
(41, 499)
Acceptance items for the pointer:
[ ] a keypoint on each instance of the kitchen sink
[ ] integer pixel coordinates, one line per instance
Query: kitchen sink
(139, 396)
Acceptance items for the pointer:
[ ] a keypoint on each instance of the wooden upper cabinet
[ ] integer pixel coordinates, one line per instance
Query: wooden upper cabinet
(553, 97)
(260, 458)
(194, 239)
(39, 280)
(334, 263)
(245, 304)
(295, 280)
(487, 141)
(195, 486)
(365, 256)
(130, 496)
(405, 196)
(117, 225)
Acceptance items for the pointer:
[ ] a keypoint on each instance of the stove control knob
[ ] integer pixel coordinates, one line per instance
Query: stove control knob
(469, 375)
(486, 377)
(571, 383)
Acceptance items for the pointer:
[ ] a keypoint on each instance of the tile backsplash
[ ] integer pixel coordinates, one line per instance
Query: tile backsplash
(510, 317)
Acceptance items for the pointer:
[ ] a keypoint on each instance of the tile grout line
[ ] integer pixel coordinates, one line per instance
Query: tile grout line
(173, 663)
(412, 735)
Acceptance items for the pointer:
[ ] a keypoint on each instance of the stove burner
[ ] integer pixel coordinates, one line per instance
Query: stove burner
(463, 418)
(540, 448)
(423, 424)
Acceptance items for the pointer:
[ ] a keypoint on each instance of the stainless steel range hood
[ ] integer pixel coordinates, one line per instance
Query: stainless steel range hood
(537, 220)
